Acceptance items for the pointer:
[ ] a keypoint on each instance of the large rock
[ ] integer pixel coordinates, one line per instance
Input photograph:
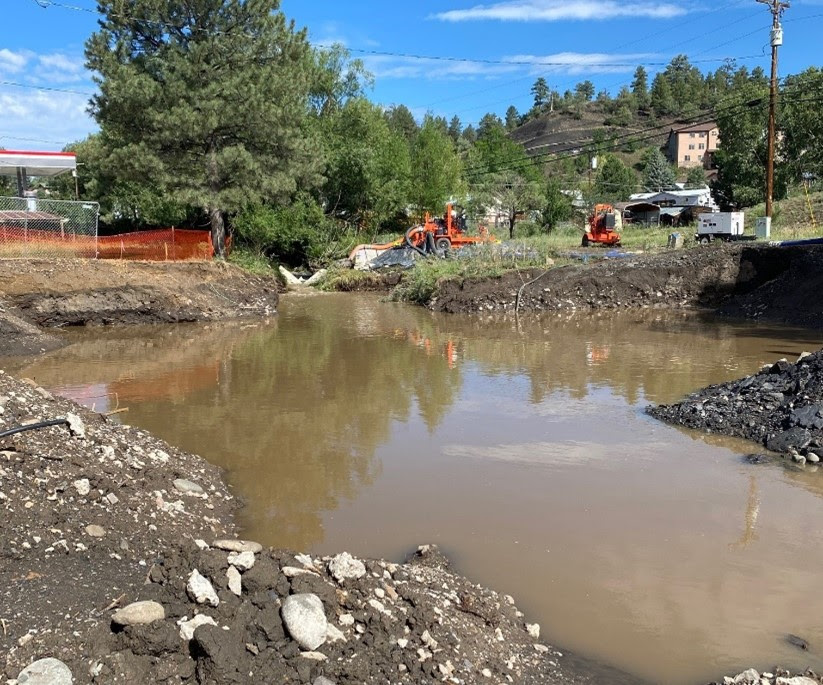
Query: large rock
(46, 672)
(345, 567)
(234, 581)
(808, 416)
(201, 590)
(305, 620)
(187, 628)
(797, 680)
(187, 487)
(238, 546)
(242, 561)
(139, 613)
(795, 438)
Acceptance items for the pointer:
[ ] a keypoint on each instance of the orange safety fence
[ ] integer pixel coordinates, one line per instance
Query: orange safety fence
(169, 244)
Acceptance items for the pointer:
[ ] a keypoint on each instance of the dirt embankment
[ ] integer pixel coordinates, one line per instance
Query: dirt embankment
(58, 293)
(119, 564)
(755, 282)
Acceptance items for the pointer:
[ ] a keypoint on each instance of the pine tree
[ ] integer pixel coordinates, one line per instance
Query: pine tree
(541, 92)
(207, 98)
(455, 128)
(512, 118)
(640, 88)
(402, 121)
(615, 182)
(696, 178)
(657, 172)
(662, 102)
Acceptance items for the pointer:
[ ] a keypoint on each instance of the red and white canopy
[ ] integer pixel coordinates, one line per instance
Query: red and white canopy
(36, 163)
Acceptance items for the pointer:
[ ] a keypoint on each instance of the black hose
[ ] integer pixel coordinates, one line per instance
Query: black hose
(33, 426)
(414, 247)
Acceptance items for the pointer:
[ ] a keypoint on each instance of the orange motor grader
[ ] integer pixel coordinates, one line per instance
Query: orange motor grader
(605, 224)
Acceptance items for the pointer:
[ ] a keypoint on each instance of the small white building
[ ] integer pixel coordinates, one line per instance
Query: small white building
(695, 197)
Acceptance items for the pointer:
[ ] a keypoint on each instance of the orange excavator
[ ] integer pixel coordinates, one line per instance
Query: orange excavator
(435, 234)
(605, 224)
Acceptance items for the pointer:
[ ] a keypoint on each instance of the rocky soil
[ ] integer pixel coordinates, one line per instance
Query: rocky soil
(746, 281)
(778, 677)
(780, 407)
(75, 292)
(119, 563)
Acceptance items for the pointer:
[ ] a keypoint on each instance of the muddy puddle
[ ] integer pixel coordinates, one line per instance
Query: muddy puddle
(520, 447)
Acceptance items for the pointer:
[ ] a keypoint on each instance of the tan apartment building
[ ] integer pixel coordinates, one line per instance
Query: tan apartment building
(693, 146)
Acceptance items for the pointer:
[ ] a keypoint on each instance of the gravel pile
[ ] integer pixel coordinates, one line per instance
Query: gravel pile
(781, 407)
(778, 677)
(119, 563)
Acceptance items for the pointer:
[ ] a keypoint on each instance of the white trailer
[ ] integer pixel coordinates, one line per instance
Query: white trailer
(720, 226)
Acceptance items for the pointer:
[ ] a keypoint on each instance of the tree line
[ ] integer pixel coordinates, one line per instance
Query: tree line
(222, 114)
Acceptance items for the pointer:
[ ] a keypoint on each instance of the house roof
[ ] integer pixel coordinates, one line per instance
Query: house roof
(696, 128)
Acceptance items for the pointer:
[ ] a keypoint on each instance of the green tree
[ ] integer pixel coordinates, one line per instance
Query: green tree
(696, 178)
(584, 90)
(368, 172)
(489, 124)
(557, 206)
(741, 157)
(540, 91)
(661, 99)
(436, 170)
(615, 181)
(657, 172)
(337, 78)
(512, 118)
(507, 180)
(207, 98)
(455, 128)
(469, 134)
(401, 120)
(640, 88)
(801, 145)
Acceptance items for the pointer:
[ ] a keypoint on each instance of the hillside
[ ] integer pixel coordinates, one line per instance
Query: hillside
(566, 131)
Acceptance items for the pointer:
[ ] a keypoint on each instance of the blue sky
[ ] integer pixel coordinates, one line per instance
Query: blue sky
(512, 42)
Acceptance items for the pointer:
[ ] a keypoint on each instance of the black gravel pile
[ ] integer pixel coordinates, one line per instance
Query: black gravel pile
(781, 407)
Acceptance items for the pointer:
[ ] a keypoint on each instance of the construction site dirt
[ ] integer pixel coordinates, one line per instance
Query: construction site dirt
(52, 294)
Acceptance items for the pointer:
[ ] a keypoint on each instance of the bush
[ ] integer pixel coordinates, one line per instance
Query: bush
(299, 234)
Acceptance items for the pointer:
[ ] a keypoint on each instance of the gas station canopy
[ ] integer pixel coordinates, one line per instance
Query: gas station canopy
(16, 163)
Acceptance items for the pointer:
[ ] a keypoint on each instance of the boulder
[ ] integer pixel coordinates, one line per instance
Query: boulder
(201, 590)
(345, 567)
(305, 620)
(46, 672)
(139, 613)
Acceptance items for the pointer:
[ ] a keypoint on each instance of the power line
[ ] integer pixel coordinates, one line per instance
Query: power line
(614, 144)
(14, 84)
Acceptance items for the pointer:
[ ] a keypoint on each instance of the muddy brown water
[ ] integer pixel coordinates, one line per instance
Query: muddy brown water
(521, 447)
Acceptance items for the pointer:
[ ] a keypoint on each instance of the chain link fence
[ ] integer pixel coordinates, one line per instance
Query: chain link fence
(31, 227)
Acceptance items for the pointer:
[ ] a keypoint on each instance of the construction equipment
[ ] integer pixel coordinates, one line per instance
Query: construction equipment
(605, 224)
(445, 232)
(436, 235)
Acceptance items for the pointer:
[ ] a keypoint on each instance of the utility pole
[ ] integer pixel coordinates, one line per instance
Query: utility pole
(776, 7)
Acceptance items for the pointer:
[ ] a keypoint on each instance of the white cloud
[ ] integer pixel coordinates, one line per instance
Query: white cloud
(573, 63)
(34, 118)
(12, 62)
(558, 10)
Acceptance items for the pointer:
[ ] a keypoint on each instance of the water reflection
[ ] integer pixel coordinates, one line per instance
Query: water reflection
(348, 423)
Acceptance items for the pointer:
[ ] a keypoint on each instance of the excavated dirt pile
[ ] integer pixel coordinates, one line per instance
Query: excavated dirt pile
(781, 407)
(119, 563)
(746, 281)
(77, 292)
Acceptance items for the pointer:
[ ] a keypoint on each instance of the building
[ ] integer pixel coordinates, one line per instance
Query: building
(696, 197)
(693, 146)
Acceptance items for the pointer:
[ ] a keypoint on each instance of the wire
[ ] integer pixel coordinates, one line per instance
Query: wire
(14, 84)
(482, 170)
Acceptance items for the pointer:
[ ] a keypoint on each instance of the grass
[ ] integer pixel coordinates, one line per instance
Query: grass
(347, 280)
(792, 218)
(253, 262)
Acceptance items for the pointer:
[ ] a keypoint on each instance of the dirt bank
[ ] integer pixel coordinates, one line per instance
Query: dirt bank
(755, 282)
(98, 516)
(781, 408)
(57, 293)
